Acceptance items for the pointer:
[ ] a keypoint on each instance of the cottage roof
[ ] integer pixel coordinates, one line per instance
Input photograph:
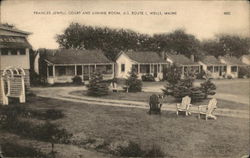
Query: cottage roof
(211, 60)
(14, 42)
(181, 59)
(7, 30)
(231, 60)
(145, 57)
(71, 56)
(246, 56)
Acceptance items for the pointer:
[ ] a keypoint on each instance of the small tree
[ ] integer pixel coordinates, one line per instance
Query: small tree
(208, 87)
(133, 83)
(173, 74)
(97, 87)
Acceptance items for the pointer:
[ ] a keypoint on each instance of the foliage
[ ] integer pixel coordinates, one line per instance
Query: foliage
(16, 150)
(208, 88)
(97, 87)
(133, 83)
(77, 80)
(148, 77)
(154, 151)
(201, 75)
(173, 74)
(244, 72)
(132, 150)
(184, 87)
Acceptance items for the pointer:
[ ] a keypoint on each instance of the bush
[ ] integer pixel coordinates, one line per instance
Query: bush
(185, 88)
(132, 150)
(77, 80)
(97, 87)
(155, 151)
(208, 88)
(15, 150)
(244, 72)
(229, 77)
(172, 74)
(148, 77)
(201, 75)
(133, 83)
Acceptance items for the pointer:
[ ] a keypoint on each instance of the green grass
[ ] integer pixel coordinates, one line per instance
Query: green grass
(144, 97)
(177, 136)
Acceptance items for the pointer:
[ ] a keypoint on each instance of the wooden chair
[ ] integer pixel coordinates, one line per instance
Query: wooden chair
(155, 104)
(208, 110)
(184, 106)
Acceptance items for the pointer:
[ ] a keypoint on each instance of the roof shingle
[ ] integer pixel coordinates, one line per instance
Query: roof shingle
(211, 60)
(181, 59)
(71, 56)
(231, 60)
(145, 57)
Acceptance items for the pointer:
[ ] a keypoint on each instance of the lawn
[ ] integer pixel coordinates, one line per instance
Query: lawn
(144, 97)
(102, 128)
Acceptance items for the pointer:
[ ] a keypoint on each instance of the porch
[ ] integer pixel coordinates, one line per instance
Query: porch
(216, 71)
(155, 69)
(186, 69)
(64, 73)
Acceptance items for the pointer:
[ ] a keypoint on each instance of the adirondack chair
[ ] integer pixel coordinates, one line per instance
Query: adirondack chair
(208, 110)
(184, 106)
(155, 103)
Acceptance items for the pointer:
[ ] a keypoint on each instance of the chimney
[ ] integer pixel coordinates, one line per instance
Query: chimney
(192, 57)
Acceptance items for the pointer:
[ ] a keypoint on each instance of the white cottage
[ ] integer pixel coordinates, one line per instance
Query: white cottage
(63, 64)
(213, 67)
(232, 65)
(143, 62)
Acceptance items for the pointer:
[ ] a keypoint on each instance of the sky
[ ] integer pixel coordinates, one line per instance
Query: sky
(204, 19)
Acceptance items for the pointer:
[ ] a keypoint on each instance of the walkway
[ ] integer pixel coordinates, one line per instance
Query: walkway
(62, 93)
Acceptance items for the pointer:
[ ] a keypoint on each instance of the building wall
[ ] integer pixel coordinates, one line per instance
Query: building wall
(123, 59)
(229, 72)
(15, 60)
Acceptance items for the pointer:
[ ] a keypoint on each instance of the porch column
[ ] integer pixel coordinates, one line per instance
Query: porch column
(139, 68)
(213, 69)
(150, 68)
(47, 71)
(89, 72)
(95, 68)
(75, 70)
(113, 71)
(54, 71)
(82, 73)
(182, 70)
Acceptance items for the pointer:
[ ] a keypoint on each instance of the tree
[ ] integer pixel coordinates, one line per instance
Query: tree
(97, 87)
(133, 83)
(208, 87)
(172, 74)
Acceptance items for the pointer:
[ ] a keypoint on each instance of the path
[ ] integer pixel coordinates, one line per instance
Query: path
(62, 93)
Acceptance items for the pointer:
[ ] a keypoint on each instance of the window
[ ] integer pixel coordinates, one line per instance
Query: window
(210, 68)
(4, 51)
(216, 69)
(61, 70)
(233, 68)
(22, 51)
(79, 70)
(50, 69)
(122, 67)
(13, 51)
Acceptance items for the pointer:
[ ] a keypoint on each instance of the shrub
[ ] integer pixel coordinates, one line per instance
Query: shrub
(172, 74)
(132, 150)
(15, 150)
(133, 83)
(185, 87)
(97, 87)
(229, 77)
(201, 75)
(77, 80)
(148, 77)
(154, 151)
(244, 72)
(208, 88)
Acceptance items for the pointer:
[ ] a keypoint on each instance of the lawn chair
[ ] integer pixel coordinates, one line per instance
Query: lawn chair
(154, 104)
(184, 106)
(208, 110)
